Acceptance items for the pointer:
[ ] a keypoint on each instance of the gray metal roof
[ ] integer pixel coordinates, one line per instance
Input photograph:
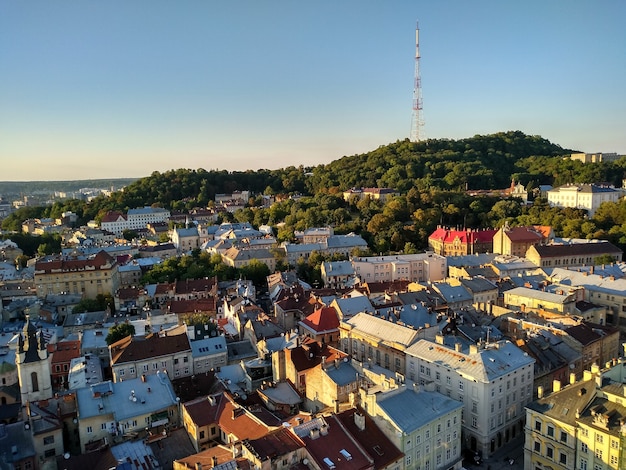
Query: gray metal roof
(410, 411)
(485, 365)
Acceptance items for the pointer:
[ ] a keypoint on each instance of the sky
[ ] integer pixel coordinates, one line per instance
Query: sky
(123, 88)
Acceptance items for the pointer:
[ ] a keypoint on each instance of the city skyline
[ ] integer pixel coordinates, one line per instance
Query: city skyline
(113, 90)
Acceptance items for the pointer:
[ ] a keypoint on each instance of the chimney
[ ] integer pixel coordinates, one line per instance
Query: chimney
(336, 406)
(540, 391)
(595, 368)
(324, 428)
(572, 378)
(198, 466)
(473, 349)
(439, 339)
(458, 347)
(214, 461)
(359, 421)
(556, 385)
(587, 375)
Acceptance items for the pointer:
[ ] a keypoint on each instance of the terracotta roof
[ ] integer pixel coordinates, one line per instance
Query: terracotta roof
(134, 348)
(236, 420)
(323, 319)
(113, 216)
(203, 411)
(310, 353)
(222, 455)
(190, 286)
(523, 234)
(128, 293)
(275, 444)
(387, 286)
(587, 333)
(191, 306)
(100, 260)
(371, 438)
(337, 445)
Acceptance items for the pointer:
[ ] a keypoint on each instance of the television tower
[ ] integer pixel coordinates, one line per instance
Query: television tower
(417, 123)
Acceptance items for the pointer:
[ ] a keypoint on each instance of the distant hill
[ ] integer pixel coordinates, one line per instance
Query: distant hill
(16, 188)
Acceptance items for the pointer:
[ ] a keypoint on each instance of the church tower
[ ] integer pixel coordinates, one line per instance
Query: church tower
(33, 366)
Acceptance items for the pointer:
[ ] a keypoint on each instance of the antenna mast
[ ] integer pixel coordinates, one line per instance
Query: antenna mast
(417, 123)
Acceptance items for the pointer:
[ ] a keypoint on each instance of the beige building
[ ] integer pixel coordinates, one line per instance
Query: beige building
(574, 254)
(420, 267)
(371, 339)
(85, 275)
(168, 351)
(238, 258)
(580, 425)
(494, 382)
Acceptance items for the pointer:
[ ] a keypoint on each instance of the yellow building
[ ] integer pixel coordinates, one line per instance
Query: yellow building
(579, 426)
(88, 275)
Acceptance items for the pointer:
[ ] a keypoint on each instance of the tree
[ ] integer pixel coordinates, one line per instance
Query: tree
(119, 331)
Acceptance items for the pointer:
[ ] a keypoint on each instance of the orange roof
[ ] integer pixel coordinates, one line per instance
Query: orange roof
(323, 319)
(237, 421)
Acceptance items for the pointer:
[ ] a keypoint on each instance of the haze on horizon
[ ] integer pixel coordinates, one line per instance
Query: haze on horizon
(121, 89)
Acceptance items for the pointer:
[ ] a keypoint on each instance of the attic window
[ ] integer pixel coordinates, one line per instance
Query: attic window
(378, 450)
(346, 454)
(329, 462)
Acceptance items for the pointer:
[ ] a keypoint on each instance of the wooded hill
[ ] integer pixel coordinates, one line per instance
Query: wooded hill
(432, 177)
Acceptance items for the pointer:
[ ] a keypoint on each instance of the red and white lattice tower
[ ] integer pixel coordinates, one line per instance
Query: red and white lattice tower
(417, 122)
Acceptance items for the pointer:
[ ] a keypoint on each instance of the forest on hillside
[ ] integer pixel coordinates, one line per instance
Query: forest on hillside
(432, 177)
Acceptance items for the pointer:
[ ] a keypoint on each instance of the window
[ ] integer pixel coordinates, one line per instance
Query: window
(131, 371)
(537, 446)
(145, 367)
(562, 458)
(583, 464)
(549, 452)
(461, 385)
(474, 422)
(563, 436)
(550, 430)
(49, 453)
(583, 448)
(122, 372)
(89, 429)
(599, 454)
(48, 440)
(201, 434)
(599, 438)
(408, 460)
(427, 436)
(538, 425)
(474, 407)
(614, 460)
(614, 444)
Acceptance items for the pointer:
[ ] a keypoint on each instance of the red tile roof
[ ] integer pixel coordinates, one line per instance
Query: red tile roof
(237, 421)
(322, 320)
(191, 306)
(465, 236)
(97, 262)
(275, 444)
(523, 234)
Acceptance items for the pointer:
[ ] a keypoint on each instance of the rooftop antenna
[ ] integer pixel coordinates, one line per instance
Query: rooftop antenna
(417, 123)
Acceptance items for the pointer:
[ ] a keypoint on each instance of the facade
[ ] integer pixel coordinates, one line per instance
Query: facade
(447, 242)
(89, 275)
(424, 425)
(368, 338)
(421, 267)
(494, 381)
(516, 241)
(134, 356)
(238, 258)
(110, 409)
(33, 366)
(595, 157)
(527, 299)
(575, 254)
(583, 196)
(580, 425)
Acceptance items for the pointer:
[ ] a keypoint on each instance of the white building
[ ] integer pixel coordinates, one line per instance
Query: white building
(583, 196)
(140, 218)
(494, 382)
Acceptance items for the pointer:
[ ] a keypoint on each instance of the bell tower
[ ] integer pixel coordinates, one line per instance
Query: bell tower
(33, 366)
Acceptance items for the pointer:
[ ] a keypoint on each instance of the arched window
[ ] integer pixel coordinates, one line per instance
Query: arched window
(34, 381)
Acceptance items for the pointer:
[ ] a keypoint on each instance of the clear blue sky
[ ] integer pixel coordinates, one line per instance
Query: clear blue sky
(118, 88)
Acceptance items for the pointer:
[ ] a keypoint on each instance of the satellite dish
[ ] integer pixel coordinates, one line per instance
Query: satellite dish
(66, 456)
(305, 461)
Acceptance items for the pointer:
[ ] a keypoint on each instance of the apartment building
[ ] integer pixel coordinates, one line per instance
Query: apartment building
(421, 267)
(494, 382)
(84, 275)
